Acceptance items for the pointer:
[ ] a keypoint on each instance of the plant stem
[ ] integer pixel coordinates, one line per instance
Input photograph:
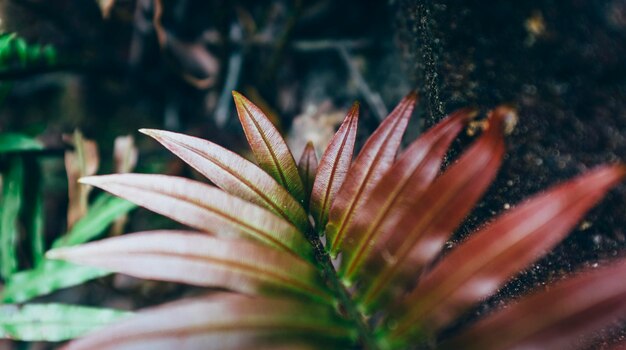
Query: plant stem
(345, 301)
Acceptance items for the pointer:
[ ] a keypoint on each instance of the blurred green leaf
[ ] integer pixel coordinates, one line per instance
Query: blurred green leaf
(9, 211)
(33, 209)
(46, 278)
(53, 322)
(13, 142)
(102, 213)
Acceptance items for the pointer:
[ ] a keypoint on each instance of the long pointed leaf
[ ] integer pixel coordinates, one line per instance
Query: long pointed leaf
(334, 167)
(414, 171)
(307, 167)
(375, 158)
(557, 318)
(199, 259)
(490, 257)
(268, 146)
(219, 323)
(47, 277)
(205, 208)
(12, 184)
(53, 322)
(14, 142)
(233, 174)
(418, 233)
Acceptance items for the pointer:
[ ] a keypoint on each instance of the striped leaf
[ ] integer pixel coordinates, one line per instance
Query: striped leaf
(233, 174)
(202, 260)
(334, 167)
(268, 146)
(373, 161)
(205, 208)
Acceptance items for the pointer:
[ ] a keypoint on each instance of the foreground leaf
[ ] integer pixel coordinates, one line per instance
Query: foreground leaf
(419, 231)
(268, 146)
(557, 318)
(12, 183)
(53, 322)
(198, 259)
(490, 257)
(223, 323)
(13, 142)
(47, 277)
(307, 167)
(233, 174)
(333, 167)
(205, 208)
(407, 179)
(375, 158)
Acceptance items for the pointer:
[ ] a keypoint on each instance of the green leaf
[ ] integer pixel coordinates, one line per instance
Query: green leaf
(53, 322)
(268, 146)
(33, 210)
(46, 278)
(198, 259)
(13, 142)
(11, 204)
(102, 213)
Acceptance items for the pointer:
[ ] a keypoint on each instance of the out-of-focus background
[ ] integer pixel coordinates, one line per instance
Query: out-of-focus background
(110, 67)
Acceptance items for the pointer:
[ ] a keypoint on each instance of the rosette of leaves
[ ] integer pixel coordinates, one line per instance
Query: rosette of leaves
(348, 253)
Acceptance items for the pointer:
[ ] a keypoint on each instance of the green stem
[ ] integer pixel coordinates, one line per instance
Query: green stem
(345, 301)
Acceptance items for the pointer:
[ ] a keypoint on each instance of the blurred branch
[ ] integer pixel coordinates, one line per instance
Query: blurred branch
(235, 63)
(371, 98)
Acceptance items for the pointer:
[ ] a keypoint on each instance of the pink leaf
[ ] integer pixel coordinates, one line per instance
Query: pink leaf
(490, 257)
(233, 174)
(307, 167)
(202, 260)
(225, 323)
(557, 318)
(268, 146)
(334, 167)
(407, 179)
(205, 208)
(418, 232)
(373, 161)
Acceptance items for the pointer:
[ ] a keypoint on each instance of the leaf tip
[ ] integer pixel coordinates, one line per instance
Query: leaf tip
(90, 180)
(504, 117)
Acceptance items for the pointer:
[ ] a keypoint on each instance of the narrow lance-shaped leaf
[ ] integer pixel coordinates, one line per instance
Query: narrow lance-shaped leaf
(201, 260)
(33, 208)
(558, 318)
(13, 142)
(307, 167)
(375, 158)
(47, 277)
(414, 171)
(53, 322)
(268, 146)
(102, 213)
(225, 323)
(334, 167)
(205, 208)
(233, 174)
(419, 232)
(490, 257)
(12, 183)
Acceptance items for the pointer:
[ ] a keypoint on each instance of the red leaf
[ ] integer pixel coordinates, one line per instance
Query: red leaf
(490, 257)
(233, 174)
(307, 167)
(225, 323)
(373, 161)
(268, 146)
(205, 208)
(414, 171)
(416, 234)
(557, 318)
(334, 167)
(202, 260)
